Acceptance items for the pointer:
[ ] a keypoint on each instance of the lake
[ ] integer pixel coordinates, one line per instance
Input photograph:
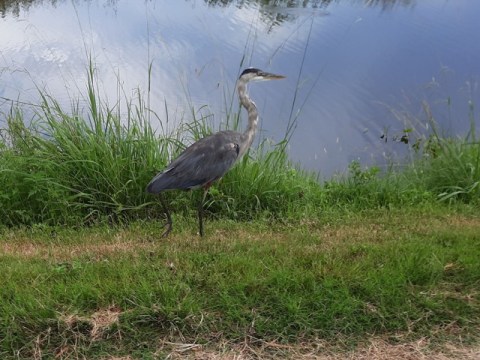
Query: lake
(359, 72)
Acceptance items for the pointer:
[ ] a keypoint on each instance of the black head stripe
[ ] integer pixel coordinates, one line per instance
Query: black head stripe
(251, 70)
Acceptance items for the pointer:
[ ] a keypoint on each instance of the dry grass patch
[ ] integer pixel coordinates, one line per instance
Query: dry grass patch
(373, 349)
(364, 230)
(78, 331)
(92, 246)
(97, 323)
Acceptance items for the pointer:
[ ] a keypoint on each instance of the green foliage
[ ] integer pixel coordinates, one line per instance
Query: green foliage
(447, 167)
(265, 183)
(62, 169)
(91, 165)
(85, 166)
(451, 169)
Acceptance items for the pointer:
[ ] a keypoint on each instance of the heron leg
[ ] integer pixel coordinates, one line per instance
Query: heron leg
(169, 224)
(200, 210)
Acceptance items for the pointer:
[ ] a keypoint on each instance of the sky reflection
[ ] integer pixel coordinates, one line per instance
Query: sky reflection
(347, 63)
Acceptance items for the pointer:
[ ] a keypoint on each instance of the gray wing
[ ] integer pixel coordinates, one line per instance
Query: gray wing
(201, 163)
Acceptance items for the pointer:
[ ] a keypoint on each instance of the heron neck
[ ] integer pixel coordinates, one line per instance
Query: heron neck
(248, 104)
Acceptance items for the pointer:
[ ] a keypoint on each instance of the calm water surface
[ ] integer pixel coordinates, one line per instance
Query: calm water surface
(350, 65)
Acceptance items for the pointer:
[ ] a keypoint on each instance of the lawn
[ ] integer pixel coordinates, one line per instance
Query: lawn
(321, 286)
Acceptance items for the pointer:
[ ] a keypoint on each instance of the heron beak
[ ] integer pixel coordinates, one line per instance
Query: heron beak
(270, 76)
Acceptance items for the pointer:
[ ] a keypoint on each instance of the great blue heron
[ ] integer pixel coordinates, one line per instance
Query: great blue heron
(208, 159)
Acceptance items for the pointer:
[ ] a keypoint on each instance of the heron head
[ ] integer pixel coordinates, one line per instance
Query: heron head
(253, 74)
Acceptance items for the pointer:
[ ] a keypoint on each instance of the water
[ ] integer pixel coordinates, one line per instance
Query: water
(350, 65)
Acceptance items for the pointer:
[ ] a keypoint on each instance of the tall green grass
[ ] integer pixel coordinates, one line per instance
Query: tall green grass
(450, 167)
(440, 169)
(91, 164)
(63, 167)
(87, 165)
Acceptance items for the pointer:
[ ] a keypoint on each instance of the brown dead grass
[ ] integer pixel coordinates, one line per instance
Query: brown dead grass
(105, 247)
(80, 329)
(377, 231)
(98, 322)
(373, 349)
(367, 230)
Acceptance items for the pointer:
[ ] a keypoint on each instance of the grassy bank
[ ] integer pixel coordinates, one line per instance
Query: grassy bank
(90, 165)
(85, 166)
(93, 292)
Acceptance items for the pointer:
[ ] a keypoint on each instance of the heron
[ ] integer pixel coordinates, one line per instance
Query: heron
(210, 158)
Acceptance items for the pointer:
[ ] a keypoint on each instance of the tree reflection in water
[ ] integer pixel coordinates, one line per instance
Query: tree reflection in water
(14, 7)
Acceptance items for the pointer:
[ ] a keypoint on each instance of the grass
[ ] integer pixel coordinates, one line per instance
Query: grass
(76, 167)
(341, 280)
(286, 260)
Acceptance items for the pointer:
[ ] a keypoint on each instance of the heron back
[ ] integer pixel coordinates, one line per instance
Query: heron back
(200, 164)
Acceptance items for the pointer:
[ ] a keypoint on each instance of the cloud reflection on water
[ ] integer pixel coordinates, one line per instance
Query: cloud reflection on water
(361, 54)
